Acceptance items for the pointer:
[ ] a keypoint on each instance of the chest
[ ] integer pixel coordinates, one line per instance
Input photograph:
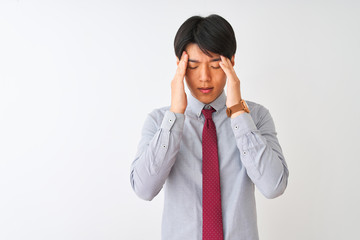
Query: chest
(190, 154)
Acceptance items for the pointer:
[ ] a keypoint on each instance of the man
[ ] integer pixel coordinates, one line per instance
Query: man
(208, 148)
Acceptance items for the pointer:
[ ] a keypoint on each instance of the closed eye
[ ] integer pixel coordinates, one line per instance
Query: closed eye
(215, 67)
(192, 67)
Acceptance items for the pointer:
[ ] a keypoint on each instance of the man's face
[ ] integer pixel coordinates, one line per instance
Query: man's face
(204, 76)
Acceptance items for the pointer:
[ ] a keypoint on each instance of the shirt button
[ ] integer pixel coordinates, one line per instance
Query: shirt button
(236, 127)
(170, 120)
(244, 152)
(164, 146)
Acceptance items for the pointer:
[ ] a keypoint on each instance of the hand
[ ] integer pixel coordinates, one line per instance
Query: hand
(233, 83)
(178, 95)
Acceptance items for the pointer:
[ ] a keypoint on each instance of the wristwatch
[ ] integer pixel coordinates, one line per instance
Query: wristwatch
(238, 107)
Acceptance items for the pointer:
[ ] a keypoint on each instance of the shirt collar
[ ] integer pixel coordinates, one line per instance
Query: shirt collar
(196, 106)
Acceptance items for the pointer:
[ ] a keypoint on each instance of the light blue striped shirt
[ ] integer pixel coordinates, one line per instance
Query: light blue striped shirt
(170, 155)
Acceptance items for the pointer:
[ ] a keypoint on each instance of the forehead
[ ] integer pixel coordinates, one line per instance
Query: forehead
(195, 53)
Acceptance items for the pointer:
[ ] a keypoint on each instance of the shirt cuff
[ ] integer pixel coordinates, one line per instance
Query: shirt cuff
(242, 124)
(174, 121)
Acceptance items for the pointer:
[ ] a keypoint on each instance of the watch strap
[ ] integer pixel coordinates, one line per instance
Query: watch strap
(236, 108)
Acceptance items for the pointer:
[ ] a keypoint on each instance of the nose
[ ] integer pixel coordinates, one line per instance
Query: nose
(204, 74)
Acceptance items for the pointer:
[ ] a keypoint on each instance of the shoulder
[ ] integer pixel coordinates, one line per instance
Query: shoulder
(258, 112)
(157, 114)
(255, 107)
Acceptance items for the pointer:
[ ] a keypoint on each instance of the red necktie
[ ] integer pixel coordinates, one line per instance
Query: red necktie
(211, 197)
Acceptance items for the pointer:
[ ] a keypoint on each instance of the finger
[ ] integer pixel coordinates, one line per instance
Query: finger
(181, 57)
(224, 64)
(183, 64)
(226, 61)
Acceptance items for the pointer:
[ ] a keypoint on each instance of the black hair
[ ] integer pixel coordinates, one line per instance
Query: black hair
(211, 34)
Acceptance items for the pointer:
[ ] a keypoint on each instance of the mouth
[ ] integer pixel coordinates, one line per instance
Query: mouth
(205, 90)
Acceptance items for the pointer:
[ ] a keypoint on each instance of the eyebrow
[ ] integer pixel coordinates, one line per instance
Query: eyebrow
(212, 60)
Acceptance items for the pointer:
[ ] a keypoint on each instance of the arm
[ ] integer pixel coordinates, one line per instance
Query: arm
(159, 144)
(156, 154)
(261, 153)
(259, 148)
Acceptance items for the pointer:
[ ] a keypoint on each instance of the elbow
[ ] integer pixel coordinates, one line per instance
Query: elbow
(273, 194)
(275, 190)
(144, 195)
(141, 190)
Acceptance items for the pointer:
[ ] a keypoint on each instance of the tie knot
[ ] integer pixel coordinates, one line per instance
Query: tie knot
(208, 113)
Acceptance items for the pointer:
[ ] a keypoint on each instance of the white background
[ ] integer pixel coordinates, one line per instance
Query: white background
(77, 79)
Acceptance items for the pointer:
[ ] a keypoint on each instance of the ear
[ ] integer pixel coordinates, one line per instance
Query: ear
(233, 60)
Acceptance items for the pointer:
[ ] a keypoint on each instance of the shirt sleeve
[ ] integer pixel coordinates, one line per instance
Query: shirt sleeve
(260, 152)
(156, 153)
